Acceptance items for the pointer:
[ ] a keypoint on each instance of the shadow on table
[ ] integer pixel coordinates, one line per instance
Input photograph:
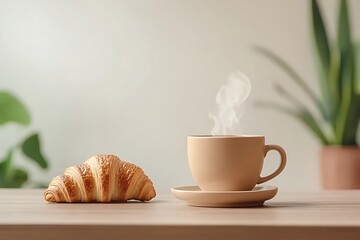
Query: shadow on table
(289, 205)
(305, 205)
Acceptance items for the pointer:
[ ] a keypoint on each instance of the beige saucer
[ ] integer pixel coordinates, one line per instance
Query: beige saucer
(193, 196)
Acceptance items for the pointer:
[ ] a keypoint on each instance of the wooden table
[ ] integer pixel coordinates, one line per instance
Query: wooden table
(322, 215)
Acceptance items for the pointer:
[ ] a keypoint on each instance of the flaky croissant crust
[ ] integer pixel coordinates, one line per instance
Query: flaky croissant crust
(101, 178)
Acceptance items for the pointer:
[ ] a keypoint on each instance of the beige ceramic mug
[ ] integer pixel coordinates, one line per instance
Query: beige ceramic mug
(230, 163)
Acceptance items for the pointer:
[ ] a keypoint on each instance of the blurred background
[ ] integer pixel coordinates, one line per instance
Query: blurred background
(134, 78)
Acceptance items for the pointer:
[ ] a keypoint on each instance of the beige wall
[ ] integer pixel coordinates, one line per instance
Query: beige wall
(135, 78)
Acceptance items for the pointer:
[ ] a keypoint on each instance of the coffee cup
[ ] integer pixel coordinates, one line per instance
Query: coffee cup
(230, 162)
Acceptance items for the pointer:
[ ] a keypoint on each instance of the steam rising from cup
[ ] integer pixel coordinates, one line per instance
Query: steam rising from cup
(230, 103)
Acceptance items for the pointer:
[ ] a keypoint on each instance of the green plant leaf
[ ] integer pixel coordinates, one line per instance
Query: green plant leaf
(31, 148)
(324, 56)
(348, 118)
(345, 45)
(320, 36)
(339, 80)
(304, 116)
(300, 111)
(19, 177)
(334, 76)
(357, 69)
(11, 177)
(12, 110)
(5, 162)
(344, 32)
(352, 124)
(308, 119)
(5, 167)
(283, 92)
(292, 73)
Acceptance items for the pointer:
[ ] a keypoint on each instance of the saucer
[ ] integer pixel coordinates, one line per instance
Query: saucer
(194, 196)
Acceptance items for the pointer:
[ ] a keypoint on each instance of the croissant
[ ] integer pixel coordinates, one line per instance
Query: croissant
(101, 178)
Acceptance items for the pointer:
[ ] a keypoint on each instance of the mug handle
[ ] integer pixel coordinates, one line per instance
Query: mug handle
(282, 163)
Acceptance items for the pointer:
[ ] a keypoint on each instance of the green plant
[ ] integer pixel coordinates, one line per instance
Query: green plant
(12, 110)
(337, 121)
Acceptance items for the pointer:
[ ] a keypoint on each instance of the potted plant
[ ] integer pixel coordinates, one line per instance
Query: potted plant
(12, 110)
(337, 123)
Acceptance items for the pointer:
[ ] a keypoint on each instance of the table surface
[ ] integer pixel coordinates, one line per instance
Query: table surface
(312, 215)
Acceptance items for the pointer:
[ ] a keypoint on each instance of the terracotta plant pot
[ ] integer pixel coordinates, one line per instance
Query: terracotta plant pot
(340, 167)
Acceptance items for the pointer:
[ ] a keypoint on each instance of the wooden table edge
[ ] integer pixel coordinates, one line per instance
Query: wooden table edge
(174, 232)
